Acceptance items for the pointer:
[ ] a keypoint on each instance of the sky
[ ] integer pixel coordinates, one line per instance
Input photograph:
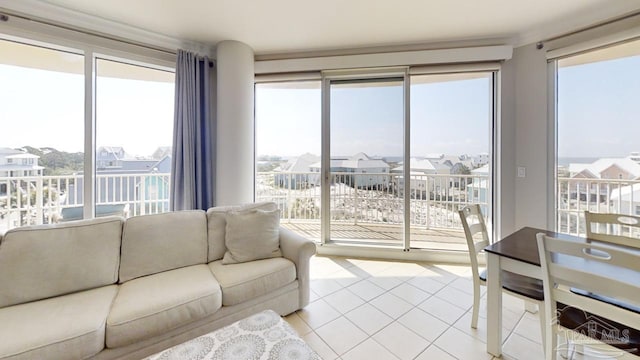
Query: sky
(369, 118)
(598, 113)
(599, 108)
(43, 108)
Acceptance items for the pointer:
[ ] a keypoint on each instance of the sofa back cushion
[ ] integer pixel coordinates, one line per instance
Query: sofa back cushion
(43, 261)
(217, 223)
(156, 243)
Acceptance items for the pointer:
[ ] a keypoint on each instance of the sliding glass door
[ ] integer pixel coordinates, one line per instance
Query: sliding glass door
(451, 140)
(382, 159)
(366, 146)
(288, 116)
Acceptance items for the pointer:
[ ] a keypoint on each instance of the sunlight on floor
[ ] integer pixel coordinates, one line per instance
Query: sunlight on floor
(375, 309)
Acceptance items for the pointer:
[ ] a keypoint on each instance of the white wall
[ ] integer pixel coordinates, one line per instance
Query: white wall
(506, 155)
(523, 141)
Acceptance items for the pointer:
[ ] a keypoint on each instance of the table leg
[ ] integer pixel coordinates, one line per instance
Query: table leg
(530, 307)
(494, 305)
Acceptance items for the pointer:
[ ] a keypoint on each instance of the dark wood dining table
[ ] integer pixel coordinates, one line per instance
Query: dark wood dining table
(518, 253)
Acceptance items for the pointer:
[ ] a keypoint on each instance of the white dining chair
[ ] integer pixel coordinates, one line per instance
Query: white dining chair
(522, 287)
(613, 228)
(596, 268)
(609, 228)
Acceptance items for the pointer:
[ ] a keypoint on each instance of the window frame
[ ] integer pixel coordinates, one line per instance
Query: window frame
(328, 77)
(553, 56)
(91, 47)
(406, 72)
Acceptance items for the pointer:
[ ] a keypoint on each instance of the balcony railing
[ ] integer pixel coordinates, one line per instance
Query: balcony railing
(43, 199)
(374, 198)
(607, 196)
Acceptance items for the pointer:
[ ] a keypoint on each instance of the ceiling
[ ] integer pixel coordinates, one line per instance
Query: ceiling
(288, 26)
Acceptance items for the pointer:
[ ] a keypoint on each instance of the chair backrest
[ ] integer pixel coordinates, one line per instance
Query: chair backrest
(613, 228)
(601, 269)
(473, 224)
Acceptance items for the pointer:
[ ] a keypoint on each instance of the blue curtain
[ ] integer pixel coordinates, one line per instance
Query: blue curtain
(193, 160)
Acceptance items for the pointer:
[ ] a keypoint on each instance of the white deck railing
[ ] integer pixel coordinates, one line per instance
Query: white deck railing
(606, 196)
(374, 197)
(41, 199)
(366, 198)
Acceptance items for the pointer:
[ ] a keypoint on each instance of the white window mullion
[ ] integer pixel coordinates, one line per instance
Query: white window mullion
(89, 134)
(325, 164)
(493, 179)
(552, 144)
(406, 173)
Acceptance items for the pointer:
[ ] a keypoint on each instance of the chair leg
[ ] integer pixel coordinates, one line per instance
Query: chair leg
(553, 347)
(476, 304)
(563, 344)
(549, 333)
(543, 324)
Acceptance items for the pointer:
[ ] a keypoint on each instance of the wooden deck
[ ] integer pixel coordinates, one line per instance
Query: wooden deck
(379, 234)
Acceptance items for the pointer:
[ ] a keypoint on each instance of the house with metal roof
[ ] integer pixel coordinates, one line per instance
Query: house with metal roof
(297, 172)
(607, 168)
(359, 170)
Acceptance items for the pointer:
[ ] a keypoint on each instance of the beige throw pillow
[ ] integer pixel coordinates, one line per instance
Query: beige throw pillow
(252, 235)
(217, 225)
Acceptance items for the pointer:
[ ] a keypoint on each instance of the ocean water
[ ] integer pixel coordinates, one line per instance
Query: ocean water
(562, 161)
(565, 161)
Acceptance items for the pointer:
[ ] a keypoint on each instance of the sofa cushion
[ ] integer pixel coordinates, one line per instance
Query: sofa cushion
(42, 261)
(64, 327)
(245, 281)
(216, 223)
(154, 304)
(252, 235)
(156, 243)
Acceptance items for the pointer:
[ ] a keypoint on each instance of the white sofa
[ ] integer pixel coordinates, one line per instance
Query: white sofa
(110, 288)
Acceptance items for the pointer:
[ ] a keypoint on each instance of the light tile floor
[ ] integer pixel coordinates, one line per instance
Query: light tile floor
(376, 309)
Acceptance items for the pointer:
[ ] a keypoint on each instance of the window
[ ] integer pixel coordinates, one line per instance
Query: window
(367, 137)
(597, 134)
(134, 127)
(287, 123)
(451, 138)
(43, 92)
(451, 132)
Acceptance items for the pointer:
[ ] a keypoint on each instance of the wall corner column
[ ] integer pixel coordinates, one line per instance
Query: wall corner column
(235, 145)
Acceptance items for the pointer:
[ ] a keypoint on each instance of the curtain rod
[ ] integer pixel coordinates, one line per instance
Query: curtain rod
(6, 17)
(541, 43)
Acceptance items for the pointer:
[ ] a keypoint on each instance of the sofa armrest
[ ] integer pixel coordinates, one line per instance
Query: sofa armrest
(299, 250)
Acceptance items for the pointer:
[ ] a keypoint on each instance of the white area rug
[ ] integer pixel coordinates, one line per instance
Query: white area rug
(263, 336)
